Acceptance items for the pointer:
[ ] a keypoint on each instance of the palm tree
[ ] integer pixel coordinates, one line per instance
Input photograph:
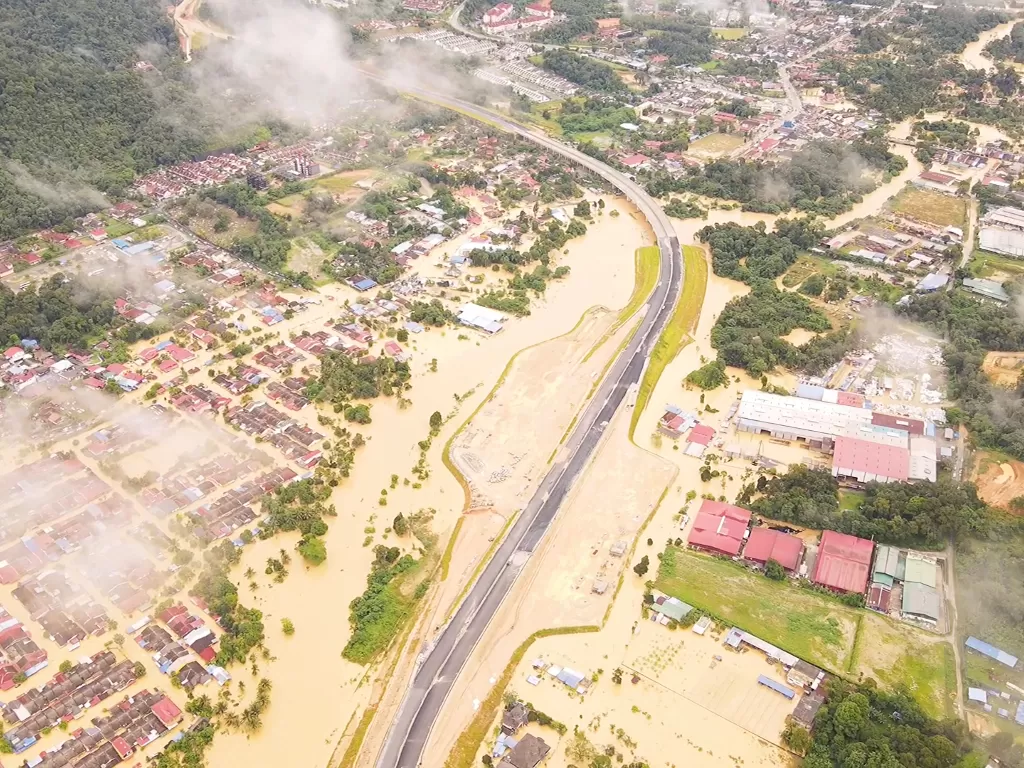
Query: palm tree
(252, 718)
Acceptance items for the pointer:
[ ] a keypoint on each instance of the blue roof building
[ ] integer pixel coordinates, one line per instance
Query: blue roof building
(991, 651)
(767, 682)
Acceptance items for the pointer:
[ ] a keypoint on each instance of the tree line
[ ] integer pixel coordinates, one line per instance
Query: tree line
(923, 515)
(824, 177)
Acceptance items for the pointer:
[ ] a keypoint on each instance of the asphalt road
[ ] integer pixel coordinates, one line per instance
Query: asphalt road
(441, 663)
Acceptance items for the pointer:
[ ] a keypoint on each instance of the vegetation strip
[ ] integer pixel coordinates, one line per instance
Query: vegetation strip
(463, 754)
(676, 333)
(647, 267)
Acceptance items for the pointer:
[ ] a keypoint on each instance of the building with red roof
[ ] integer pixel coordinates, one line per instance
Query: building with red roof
(765, 544)
(167, 712)
(844, 562)
(635, 161)
(911, 426)
(867, 461)
(719, 528)
(702, 434)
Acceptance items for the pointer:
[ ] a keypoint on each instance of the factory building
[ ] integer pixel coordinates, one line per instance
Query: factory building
(865, 445)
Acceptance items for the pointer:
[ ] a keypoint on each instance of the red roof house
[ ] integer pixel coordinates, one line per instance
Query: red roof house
(635, 161)
(180, 354)
(719, 528)
(844, 562)
(167, 712)
(702, 434)
(124, 749)
(764, 544)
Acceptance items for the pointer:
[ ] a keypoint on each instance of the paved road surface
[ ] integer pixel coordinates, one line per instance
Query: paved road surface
(440, 666)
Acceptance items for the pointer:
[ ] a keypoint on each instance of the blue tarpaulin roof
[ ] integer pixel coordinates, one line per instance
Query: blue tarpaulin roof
(767, 682)
(570, 677)
(991, 651)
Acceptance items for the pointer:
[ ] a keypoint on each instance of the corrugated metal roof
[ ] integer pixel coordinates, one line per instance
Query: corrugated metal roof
(789, 693)
(921, 571)
(991, 651)
(886, 560)
(921, 600)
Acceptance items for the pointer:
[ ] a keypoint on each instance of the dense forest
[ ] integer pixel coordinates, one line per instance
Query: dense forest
(685, 40)
(864, 726)
(75, 115)
(582, 70)
(580, 18)
(751, 253)
(995, 416)
(343, 379)
(924, 515)
(825, 177)
(59, 315)
(749, 332)
(1010, 47)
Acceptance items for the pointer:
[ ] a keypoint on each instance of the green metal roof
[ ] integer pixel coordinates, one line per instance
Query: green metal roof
(921, 572)
(886, 561)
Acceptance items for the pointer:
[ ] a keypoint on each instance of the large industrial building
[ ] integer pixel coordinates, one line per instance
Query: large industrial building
(766, 544)
(865, 445)
(844, 562)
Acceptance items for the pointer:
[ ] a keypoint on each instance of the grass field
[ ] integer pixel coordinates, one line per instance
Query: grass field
(677, 331)
(290, 206)
(716, 143)
(933, 207)
(808, 625)
(707, 66)
(822, 631)
(987, 264)
(902, 656)
(850, 501)
(730, 33)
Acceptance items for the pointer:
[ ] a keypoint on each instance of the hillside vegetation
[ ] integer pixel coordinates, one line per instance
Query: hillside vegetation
(75, 113)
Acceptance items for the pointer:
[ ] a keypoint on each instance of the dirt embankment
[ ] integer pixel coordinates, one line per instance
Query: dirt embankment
(1000, 482)
(1004, 368)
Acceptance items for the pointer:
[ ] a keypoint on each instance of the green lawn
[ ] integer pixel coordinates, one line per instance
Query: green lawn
(987, 264)
(850, 501)
(811, 626)
(858, 644)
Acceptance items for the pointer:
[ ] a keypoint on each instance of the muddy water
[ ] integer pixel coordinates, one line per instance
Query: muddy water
(315, 689)
(974, 57)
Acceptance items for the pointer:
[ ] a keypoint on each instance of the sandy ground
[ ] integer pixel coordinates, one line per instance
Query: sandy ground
(687, 666)
(555, 587)
(999, 482)
(1004, 368)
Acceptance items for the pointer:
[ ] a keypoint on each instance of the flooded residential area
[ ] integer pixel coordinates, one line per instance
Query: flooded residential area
(557, 384)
